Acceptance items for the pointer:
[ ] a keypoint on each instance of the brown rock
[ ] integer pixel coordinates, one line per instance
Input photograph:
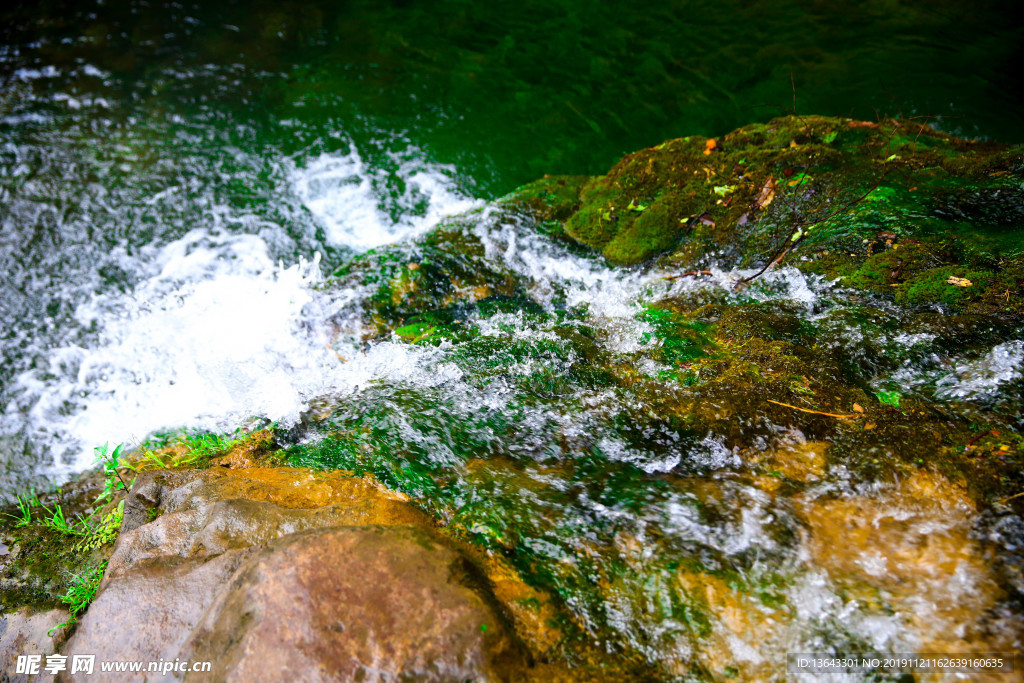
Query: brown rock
(355, 604)
(148, 613)
(25, 633)
(280, 574)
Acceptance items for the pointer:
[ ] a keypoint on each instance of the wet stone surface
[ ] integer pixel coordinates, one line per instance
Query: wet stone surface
(273, 573)
(707, 464)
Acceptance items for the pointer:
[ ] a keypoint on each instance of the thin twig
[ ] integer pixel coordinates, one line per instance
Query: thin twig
(689, 273)
(807, 410)
(976, 439)
(340, 357)
(793, 83)
(123, 482)
(792, 243)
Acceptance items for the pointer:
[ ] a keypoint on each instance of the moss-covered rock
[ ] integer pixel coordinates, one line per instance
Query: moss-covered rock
(880, 205)
(53, 537)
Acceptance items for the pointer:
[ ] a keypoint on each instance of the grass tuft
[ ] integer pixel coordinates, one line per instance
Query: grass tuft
(80, 594)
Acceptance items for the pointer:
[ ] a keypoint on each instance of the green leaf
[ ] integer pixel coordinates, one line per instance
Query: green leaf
(889, 398)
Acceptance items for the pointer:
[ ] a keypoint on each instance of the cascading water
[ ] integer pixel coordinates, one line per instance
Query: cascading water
(207, 329)
(209, 235)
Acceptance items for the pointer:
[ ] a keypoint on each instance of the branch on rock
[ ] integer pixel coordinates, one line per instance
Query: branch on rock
(690, 273)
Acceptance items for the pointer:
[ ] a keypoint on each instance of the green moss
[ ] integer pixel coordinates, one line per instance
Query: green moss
(597, 223)
(550, 198)
(683, 338)
(889, 398)
(941, 285)
(651, 232)
(45, 559)
(443, 272)
(802, 178)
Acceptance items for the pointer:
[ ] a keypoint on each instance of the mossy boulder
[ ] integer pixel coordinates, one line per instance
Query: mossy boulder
(894, 206)
(418, 288)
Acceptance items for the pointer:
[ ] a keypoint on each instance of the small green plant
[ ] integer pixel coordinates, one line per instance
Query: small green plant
(111, 460)
(889, 398)
(59, 523)
(205, 446)
(105, 532)
(24, 516)
(80, 594)
(154, 459)
(199, 449)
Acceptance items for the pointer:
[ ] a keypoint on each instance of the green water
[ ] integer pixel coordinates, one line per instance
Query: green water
(509, 91)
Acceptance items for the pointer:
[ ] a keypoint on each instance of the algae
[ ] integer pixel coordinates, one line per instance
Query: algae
(562, 453)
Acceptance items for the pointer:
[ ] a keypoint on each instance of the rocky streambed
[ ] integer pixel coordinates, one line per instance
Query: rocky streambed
(738, 397)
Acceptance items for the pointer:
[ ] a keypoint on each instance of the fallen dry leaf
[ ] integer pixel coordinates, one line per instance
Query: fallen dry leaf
(767, 194)
(857, 408)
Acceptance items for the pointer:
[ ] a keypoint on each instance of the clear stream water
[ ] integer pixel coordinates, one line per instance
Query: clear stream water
(176, 180)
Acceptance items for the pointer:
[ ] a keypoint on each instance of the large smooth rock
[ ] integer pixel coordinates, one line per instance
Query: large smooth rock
(278, 574)
(357, 604)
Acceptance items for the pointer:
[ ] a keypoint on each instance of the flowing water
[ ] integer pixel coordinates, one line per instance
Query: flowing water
(178, 182)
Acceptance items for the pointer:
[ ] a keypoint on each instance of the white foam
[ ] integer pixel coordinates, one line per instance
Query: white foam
(908, 340)
(352, 202)
(27, 74)
(422, 366)
(213, 336)
(982, 379)
(215, 332)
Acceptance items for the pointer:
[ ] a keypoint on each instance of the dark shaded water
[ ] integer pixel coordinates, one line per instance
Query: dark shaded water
(509, 91)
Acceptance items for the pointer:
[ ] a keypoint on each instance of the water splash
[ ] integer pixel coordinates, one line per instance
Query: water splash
(982, 379)
(362, 207)
(214, 335)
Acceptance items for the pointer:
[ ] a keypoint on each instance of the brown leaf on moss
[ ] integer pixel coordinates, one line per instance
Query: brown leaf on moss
(767, 194)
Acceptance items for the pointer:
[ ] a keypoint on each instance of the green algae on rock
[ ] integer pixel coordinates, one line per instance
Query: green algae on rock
(663, 454)
(893, 206)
